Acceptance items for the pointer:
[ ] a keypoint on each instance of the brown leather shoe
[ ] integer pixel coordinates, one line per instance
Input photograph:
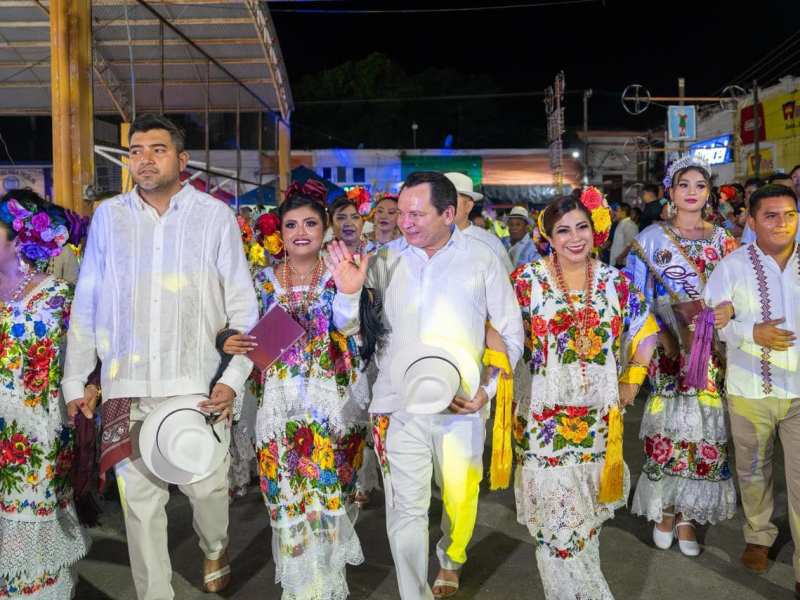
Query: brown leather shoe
(797, 590)
(754, 558)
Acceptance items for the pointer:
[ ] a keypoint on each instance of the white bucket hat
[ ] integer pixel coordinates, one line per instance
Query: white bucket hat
(427, 378)
(519, 212)
(464, 185)
(178, 444)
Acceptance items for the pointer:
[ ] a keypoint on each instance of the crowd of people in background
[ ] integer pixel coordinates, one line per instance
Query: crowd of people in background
(423, 319)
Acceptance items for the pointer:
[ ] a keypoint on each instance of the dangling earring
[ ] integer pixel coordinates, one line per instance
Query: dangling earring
(22, 266)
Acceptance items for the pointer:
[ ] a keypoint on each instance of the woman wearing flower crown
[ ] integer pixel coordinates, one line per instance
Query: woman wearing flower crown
(311, 420)
(40, 538)
(685, 477)
(384, 219)
(588, 337)
(347, 221)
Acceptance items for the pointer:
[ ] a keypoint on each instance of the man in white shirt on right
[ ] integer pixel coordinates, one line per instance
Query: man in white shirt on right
(762, 281)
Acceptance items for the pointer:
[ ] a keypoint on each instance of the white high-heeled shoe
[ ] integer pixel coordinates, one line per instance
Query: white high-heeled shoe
(663, 539)
(687, 547)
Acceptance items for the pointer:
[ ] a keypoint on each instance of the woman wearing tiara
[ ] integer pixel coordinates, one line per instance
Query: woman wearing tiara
(685, 478)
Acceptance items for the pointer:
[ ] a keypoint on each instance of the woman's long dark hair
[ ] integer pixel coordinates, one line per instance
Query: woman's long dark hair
(371, 327)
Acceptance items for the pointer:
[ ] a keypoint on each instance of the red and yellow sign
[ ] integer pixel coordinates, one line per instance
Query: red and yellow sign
(779, 120)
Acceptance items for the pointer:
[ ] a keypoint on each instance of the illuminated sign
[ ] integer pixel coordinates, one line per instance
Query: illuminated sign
(715, 151)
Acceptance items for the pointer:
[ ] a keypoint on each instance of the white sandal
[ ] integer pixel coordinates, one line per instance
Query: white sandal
(215, 576)
(687, 547)
(444, 583)
(664, 539)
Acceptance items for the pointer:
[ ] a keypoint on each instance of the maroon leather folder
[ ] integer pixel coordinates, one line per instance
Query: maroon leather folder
(275, 333)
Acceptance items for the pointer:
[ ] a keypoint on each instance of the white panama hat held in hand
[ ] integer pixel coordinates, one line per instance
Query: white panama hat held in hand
(428, 377)
(179, 445)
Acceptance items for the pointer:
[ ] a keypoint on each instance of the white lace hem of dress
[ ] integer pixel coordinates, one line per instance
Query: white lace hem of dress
(320, 398)
(683, 417)
(577, 578)
(562, 501)
(700, 500)
(30, 548)
(318, 572)
(60, 590)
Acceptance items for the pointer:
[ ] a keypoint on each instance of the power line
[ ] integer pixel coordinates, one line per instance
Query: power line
(429, 98)
(775, 70)
(387, 11)
(750, 71)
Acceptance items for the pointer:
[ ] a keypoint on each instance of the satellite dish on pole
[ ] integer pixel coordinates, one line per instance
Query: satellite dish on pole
(730, 96)
(635, 99)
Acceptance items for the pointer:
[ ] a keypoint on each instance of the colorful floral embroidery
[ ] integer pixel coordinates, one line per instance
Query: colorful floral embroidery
(380, 426)
(562, 436)
(28, 465)
(34, 468)
(555, 330)
(324, 353)
(704, 460)
(309, 469)
(17, 586)
(573, 547)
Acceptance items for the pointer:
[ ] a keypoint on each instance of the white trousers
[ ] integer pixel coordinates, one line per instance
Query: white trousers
(144, 499)
(451, 448)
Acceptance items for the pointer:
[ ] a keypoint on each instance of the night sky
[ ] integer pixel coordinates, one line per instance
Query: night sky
(600, 45)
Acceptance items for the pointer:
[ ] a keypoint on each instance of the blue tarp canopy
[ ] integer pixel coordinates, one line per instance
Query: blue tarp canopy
(265, 194)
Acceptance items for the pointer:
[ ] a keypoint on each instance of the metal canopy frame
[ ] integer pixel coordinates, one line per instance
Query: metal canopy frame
(171, 56)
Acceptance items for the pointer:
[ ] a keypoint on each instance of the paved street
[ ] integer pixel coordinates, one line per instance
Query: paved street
(501, 564)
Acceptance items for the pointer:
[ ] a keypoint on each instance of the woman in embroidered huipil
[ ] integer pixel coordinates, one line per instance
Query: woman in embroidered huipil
(685, 476)
(588, 339)
(40, 538)
(311, 421)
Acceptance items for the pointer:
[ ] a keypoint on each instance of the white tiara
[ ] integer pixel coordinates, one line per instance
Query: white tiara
(684, 163)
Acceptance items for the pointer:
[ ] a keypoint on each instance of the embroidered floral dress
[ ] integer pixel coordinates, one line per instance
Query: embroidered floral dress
(40, 538)
(561, 420)
(310, 431)
(684, 431)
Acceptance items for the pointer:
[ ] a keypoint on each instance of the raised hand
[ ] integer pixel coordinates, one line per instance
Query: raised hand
(349, 272)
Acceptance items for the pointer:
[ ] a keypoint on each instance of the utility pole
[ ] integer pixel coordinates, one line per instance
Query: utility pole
(681, 96)
(586, 95)
(756, 133)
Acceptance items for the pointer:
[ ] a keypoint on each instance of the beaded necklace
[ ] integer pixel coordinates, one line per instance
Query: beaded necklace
(299, 309)
(17, 292)
(582, 341)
